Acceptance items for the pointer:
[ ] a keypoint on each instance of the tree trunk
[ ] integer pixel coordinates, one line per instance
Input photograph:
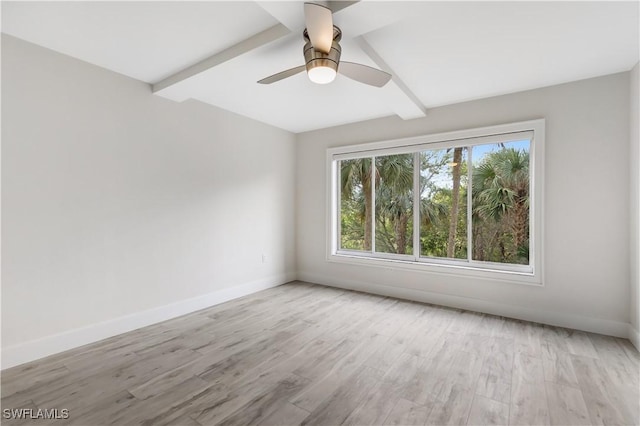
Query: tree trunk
(366, 188)
(401, 233)
(455, 201)
(520, 223)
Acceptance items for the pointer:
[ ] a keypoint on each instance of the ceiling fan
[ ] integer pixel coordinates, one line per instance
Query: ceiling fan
(322, 53)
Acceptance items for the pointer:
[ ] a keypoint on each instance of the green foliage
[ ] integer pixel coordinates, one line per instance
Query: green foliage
(394, 204)
(355, 189)
(352, 224)
(501, 207)
(434, 235)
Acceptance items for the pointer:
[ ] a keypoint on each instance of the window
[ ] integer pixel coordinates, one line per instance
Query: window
(466, 202)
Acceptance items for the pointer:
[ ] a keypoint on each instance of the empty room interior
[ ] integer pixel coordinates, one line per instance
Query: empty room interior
(325, 213)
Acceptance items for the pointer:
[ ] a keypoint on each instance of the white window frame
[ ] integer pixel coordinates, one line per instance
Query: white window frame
(522, 274)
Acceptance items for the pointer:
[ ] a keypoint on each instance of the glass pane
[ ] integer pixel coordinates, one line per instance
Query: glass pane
(443, 203)
(355, 204)
(501, 202)
(394, 204)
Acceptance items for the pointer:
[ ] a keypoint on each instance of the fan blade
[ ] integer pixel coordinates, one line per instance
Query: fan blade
(282, 75)
(364, 74)
(319, 21)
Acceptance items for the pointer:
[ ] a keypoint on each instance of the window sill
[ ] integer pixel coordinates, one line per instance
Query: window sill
(464, 271)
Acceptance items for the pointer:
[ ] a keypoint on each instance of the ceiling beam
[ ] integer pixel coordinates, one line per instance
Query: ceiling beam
(291, 14)
(338, 5)
(363, 17)
(267, 36)
(407, 106)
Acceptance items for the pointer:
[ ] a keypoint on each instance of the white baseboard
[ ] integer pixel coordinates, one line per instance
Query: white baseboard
(40, 348)
(634, 336)
(561, 319)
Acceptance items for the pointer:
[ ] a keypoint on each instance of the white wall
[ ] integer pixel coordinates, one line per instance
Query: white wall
(634, 195)
(586, 207)
(116, 201)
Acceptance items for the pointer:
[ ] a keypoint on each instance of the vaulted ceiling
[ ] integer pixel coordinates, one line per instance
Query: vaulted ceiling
(438, 52)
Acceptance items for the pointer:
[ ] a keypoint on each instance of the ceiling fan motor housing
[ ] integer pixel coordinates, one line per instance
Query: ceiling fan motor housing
(314, 58)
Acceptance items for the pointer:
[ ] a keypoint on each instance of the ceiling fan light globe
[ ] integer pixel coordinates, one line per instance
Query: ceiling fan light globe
(322, 75)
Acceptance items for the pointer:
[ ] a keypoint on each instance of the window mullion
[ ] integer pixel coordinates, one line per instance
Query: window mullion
(337, 177)
(416, 205)
(373, 204)
(469, 205)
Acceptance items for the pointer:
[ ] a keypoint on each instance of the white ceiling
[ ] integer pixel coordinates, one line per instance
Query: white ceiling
(439, 52)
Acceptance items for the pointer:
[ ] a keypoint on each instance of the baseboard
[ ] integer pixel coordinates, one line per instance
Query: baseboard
(40, 348)
(577, 322)
(634, 336)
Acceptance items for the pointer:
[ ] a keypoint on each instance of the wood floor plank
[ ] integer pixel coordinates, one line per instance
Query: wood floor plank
(161, 383)
(630, 396)
(428, 382)
(322, 388)
(621, 363)
(326, 357)
(489, 325)
(566, 405)
(383, 396)
(395, 318)
(495, 376)
(218, 406)
(556, 338)
(376, 405)
(463, 321)
(559, 369)
(310, 333)
(409, 331)
(212, 407)
(630, 350)
(408, 413)
(528, 404)
(604, 402)
(263, 406)
(337, 408)
(182, 409)
(579, 343)
(528, 338)
(113, 409)
(19, 381)
(486, 411)
(382, 358)
(453, 411)
(235, 364)
(286, 414)
(124, 408)
(478, 343)
(463, 374)
(425, 341)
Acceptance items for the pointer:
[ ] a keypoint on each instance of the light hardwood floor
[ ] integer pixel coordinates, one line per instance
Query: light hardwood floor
(307, 354)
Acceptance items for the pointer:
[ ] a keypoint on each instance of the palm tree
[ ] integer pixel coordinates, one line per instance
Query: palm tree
(455, 200)
(501, 193)
(394, 198)
(355, 176)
